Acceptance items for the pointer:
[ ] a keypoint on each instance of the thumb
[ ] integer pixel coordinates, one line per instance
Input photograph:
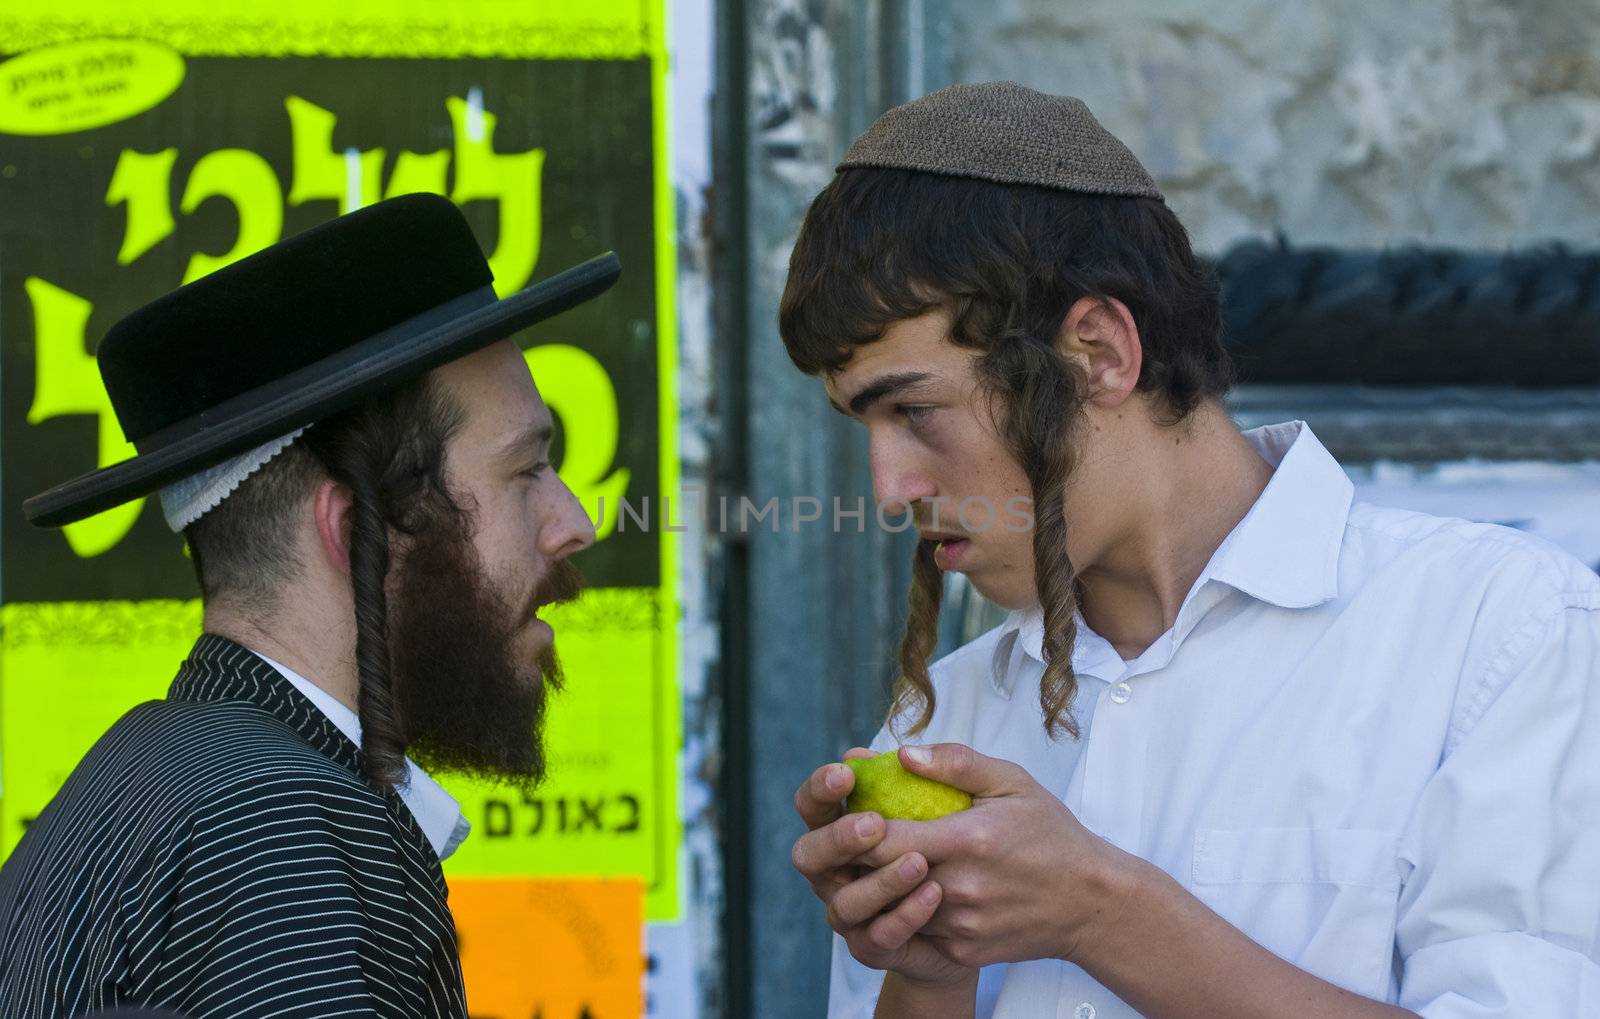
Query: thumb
(956, 764)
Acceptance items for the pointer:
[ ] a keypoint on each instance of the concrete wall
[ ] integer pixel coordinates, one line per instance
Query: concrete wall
(1460, 122)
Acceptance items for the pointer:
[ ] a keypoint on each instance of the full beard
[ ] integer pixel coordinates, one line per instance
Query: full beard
(467, 699)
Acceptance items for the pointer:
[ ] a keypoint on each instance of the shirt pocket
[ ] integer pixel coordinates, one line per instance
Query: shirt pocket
(1324, 899)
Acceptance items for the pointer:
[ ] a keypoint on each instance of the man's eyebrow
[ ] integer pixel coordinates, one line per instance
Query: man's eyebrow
(535, 436)
(884, 385)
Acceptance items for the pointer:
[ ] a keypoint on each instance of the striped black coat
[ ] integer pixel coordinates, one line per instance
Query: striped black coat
(218, 853)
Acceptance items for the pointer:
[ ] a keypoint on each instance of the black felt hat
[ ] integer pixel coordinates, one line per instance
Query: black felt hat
(294, 333)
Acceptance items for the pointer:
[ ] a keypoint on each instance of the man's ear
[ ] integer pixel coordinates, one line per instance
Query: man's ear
(331, 505)
(1100, 335)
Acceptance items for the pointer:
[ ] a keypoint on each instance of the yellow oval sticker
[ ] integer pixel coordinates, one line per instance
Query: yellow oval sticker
(79, 85)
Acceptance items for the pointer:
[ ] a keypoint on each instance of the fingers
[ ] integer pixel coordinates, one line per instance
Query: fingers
(863, 899)
(817, 801)
(855, 752)
(894, 928)
(933, 840)
(832, 846)
(957, 764)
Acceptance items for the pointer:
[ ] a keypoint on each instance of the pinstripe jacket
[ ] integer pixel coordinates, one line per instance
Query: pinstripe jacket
(218, 853)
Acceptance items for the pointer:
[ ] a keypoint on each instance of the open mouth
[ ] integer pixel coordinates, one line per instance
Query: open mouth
(538, 625)
(950, 551)
(534, 617)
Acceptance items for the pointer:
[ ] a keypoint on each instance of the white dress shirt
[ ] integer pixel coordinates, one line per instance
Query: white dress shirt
(436, 811)
(1370, 741)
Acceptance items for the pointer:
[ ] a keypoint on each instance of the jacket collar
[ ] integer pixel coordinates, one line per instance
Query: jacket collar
(217, 669)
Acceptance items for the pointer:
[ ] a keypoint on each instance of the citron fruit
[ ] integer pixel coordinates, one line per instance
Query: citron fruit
(884, 787)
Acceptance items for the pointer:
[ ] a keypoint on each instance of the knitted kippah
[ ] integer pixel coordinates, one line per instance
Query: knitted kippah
(188, 499)
(1001, 131)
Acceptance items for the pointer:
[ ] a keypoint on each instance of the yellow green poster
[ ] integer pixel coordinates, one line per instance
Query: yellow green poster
(145, 145)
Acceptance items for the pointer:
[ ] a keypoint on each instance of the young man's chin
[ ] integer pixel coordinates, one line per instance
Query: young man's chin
(1008, 596)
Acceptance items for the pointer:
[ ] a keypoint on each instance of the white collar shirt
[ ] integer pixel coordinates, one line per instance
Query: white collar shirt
(1370, 741)
(437, 813)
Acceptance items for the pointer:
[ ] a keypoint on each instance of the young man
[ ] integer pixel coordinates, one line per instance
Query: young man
(356, 455)
(1244, 747)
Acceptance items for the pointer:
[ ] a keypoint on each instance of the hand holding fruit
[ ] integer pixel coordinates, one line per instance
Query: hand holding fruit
(1020, 877)
(878, 910)
(883, 786)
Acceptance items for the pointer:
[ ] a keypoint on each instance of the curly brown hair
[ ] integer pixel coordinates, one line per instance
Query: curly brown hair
(1005, 262)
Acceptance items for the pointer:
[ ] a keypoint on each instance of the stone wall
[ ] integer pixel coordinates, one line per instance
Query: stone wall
(1472, 123)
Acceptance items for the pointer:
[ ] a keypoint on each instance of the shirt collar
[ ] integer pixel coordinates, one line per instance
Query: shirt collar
(1023, 634)
(1284, 552)
(437, 812)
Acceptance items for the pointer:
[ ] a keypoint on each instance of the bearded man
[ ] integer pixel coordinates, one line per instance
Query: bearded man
(1244, 747)
(357, 457)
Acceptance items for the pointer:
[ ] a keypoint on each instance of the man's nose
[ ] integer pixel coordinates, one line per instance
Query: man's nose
(898, 482)
(567, 529)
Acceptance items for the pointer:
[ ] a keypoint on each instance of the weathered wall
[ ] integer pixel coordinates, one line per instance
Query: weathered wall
(1462, 122)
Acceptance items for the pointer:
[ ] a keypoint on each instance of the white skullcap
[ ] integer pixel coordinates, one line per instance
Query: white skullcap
(184, 502)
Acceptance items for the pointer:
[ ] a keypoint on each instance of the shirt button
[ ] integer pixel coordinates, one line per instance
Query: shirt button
(1120, 694)
(1084, 1011)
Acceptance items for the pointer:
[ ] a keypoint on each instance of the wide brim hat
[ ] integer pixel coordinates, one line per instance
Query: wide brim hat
(296, 332)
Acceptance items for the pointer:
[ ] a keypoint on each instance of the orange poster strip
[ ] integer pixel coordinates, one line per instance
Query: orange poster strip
(551, 948)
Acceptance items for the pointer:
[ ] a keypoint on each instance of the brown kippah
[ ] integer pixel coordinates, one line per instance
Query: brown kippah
(1003, 132)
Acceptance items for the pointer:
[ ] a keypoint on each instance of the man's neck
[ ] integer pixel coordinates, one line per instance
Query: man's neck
(1193, 485)
(284, 637)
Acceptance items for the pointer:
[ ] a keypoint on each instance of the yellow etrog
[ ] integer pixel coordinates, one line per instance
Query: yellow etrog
(884, 787)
